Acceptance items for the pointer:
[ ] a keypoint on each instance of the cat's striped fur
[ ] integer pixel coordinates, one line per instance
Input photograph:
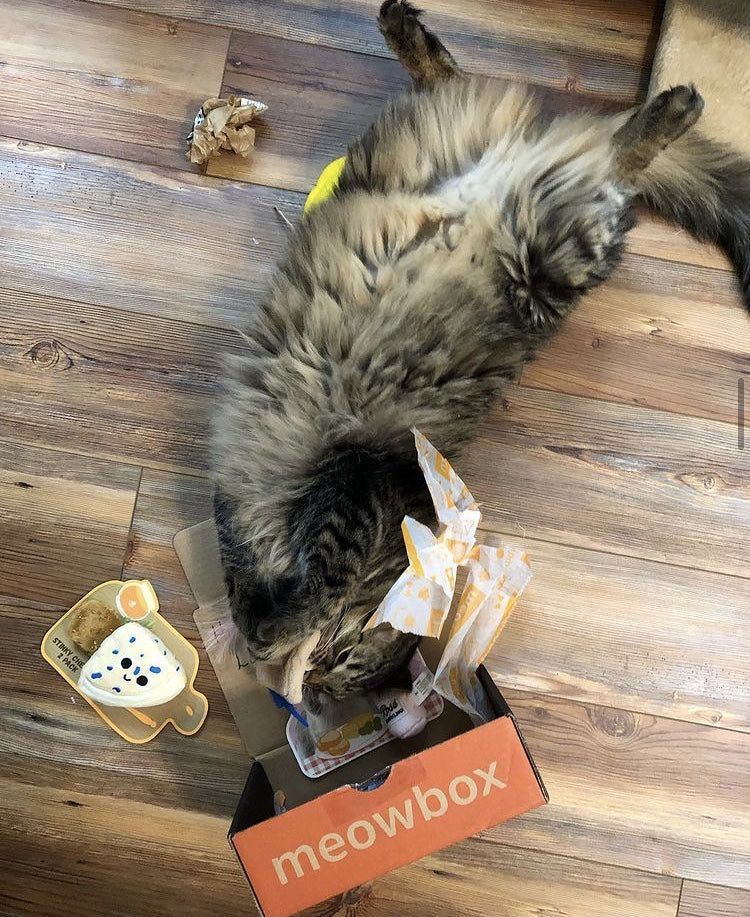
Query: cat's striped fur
(466, 225)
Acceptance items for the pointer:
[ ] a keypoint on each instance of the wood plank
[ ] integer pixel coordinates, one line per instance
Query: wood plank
(319, 99)
(131, 236)
(89, 854)
(542, 41)
(658, 333)
(629, 633)
(167, 503)
(65, 522)
(613, 478)
(106, 382)
(105, 80)
(657, 238)
(636, 790)
(475, 877)
(700, 900)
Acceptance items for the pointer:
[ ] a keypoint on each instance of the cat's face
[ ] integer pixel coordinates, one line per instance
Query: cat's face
(376, 658)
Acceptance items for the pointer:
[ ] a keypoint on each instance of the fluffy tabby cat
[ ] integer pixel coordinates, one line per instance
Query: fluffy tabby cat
(466, 226)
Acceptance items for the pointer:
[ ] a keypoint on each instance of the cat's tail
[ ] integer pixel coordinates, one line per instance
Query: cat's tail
(705, 187)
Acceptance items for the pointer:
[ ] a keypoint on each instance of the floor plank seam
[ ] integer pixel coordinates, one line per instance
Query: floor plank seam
(589, 704)
(516, 537)
(121, 310)
(182, 470)
(485, 838)
(679, 898)
(126, 556)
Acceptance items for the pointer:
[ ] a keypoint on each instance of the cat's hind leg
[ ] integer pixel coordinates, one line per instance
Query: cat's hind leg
(419, 50)
(653, 127)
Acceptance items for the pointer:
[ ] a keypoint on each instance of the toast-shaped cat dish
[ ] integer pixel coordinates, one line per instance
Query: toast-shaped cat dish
(127, 661)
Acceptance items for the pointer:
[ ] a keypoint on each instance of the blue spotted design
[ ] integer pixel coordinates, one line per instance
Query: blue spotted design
(96, 674)
(177, 669)
(155, 669)
(109, 668)
(165, 652)
(132, 640)
(136, 670)
(115, 688)
(141, 655)
(115, 652)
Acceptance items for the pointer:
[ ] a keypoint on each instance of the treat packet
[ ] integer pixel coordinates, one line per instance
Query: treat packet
(421, 598)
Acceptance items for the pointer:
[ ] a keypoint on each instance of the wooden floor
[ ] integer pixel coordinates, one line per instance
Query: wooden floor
(616, 463)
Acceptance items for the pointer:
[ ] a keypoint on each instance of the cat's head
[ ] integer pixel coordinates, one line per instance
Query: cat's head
(346, 551)
(363, 661)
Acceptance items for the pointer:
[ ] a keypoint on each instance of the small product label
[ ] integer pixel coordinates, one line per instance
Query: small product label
(422, 686)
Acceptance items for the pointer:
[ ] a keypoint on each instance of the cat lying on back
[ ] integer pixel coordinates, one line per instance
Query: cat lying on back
(466, 225)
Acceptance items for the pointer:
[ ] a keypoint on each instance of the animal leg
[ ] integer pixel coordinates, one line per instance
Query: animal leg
(419, 51)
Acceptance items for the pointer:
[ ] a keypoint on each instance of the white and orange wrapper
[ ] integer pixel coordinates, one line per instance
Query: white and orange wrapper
(419, 601)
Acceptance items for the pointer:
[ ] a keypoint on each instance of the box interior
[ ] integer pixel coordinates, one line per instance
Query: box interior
(261, 723)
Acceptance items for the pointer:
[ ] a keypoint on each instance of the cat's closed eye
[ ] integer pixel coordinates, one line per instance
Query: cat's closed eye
(342, 657)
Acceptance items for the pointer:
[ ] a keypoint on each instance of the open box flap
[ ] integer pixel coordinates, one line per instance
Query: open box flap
(198, 550)
(260, 722)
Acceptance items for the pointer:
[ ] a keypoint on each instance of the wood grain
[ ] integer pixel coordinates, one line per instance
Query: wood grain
(614, 478)
(314, 114)
(605, 50)
(479, 878)
(700, 900)
(56, 856)
(167, 503)
(659, 333)
(107, 382)
(657, 238)
(65, 522)
(105, 80)
(319, 99)
(629, 633)
(136, 237)
(636, 790)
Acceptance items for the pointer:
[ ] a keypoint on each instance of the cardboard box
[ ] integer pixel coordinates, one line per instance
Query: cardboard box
(390, 807)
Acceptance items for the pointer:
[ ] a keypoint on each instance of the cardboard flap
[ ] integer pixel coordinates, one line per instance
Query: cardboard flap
(261, 724)
(198, 550)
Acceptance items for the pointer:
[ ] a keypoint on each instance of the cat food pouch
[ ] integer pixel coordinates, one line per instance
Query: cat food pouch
(420, 600)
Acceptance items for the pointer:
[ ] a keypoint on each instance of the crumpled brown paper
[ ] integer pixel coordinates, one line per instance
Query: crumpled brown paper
(223, 124)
